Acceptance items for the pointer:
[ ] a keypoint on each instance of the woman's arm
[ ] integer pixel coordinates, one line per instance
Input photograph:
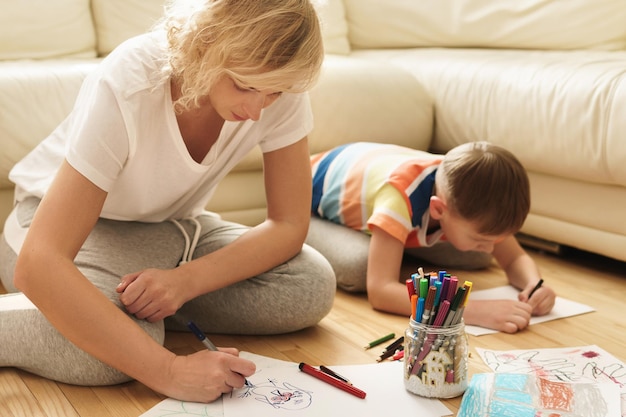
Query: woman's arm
(287, 175)
(45, 272)
(280, 237)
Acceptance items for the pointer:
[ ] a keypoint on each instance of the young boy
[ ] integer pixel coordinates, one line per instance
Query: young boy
(453, 211)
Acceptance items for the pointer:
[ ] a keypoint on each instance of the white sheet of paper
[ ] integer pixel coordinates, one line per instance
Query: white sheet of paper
(571, 364)
(383, 383)
(289, 391)
(562, 307)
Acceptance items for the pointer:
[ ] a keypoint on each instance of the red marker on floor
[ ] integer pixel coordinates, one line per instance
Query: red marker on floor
(337, 383)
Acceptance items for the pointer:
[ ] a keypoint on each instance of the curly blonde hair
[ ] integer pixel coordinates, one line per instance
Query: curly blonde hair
(263, 44)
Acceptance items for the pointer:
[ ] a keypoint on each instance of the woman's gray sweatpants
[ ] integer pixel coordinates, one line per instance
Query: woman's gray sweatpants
(292, 296)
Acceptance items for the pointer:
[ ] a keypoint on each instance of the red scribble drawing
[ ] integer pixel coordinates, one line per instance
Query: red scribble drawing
(555, 395)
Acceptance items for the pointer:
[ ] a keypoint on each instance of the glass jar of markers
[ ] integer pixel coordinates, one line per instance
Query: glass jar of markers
(435, 360)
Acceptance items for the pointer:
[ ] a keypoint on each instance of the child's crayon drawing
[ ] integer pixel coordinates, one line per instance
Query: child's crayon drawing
(528, 395)
(277, 395)
(574, 364)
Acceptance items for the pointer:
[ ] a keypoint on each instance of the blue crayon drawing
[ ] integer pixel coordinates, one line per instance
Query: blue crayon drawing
(526, 395)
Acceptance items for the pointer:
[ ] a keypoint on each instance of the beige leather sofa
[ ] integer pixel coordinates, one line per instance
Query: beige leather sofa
(544, 78)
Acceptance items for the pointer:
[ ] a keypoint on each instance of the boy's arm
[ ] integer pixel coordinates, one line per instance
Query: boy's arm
(384, 289)
(523, 274)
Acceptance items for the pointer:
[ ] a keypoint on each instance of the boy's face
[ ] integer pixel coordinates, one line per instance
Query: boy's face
(461, 233)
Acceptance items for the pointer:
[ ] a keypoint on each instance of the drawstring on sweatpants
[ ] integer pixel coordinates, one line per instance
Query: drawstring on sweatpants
(190, 244)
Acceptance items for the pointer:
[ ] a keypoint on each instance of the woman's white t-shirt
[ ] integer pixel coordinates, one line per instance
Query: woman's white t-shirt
(123, 136)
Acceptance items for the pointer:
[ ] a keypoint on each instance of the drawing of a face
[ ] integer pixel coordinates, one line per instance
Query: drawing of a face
(292, 400)
(287, 396)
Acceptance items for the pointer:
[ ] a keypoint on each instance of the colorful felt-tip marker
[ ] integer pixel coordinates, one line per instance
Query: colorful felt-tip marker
(410, 287)
(380, 340)
(337, 383)
(399, 355)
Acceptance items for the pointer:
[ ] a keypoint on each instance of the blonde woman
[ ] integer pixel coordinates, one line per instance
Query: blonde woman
(108, 237)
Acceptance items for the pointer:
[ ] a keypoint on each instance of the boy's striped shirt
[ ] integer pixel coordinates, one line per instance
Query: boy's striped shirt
(363, 185)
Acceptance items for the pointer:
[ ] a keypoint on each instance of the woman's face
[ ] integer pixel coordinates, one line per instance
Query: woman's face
(236, 102)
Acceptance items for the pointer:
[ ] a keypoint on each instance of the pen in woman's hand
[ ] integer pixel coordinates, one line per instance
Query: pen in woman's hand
(206, 342)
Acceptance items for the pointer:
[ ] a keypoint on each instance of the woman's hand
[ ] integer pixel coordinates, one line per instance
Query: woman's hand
(205, 375)
(151, 294)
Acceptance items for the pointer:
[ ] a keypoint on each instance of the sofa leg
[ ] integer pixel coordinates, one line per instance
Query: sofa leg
(539, 244)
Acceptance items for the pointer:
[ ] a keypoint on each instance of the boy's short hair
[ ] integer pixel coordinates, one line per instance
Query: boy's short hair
(269, 44)
(487, 185)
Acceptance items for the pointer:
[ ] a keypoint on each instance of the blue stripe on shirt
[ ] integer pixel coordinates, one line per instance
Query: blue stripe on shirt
(420, 198)
(320, 175)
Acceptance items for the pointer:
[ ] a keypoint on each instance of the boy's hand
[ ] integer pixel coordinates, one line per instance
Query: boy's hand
(508, 316)
(542, 300)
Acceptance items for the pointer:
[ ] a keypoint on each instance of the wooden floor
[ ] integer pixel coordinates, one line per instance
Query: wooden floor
(340, 337)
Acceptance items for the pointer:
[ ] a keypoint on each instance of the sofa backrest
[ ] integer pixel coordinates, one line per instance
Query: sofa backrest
(89, 28)
(42, 29)
(118, 20)
(515, 24)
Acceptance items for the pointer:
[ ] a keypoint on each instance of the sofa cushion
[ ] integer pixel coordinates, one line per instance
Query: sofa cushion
(46, 29)
(560, 112)
(527, 24)
(118, 20)
(356, 100)
(334, 26)
(36, 97)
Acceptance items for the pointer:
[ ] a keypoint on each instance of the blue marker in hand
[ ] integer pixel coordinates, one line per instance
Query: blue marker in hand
(200, 335)
(206, 342)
